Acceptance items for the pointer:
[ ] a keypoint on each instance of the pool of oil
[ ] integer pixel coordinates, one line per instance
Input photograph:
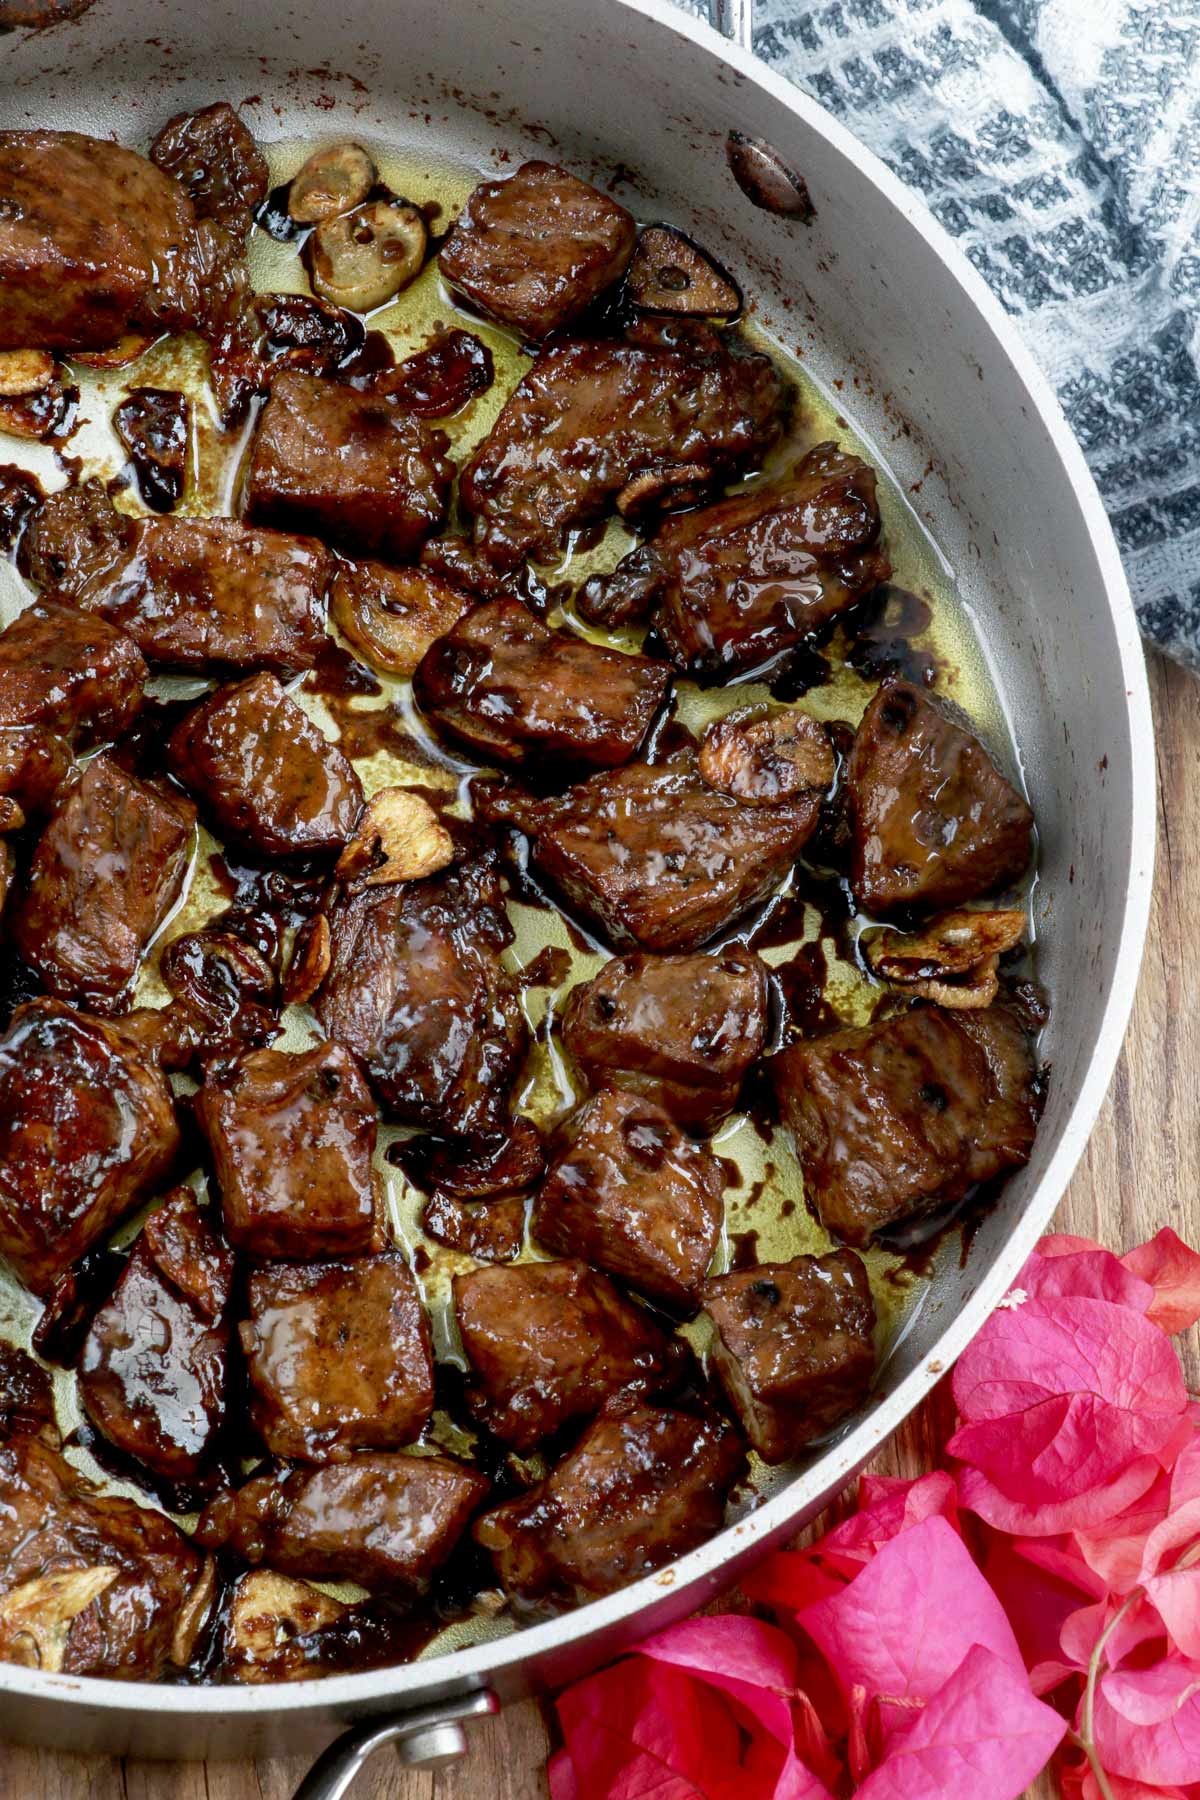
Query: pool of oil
(765, 1203)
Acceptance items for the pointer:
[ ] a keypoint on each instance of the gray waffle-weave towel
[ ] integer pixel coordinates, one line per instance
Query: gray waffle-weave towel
(1059, 142)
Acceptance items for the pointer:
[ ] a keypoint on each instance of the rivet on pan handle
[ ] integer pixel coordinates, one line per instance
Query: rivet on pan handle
(734, 19)
(430, 1735)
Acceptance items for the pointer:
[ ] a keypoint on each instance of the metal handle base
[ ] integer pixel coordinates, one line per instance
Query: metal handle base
(734, 19)
(430, 1735)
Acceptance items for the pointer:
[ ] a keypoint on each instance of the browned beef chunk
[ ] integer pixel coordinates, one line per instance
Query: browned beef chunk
(417, 991)
(352, 467)
(339, 1357)
(513, 691)
(153, 1369)
(895, 1120)
(79, 676)
(90, 1584)
(192, 593)
(935, 823)
(654, 855)
(264, 772)
(292, 1137)
(217, 163)
(223, 1001)
(383, 1521)
(475, 1171)
(643, 1486)
(535, 250)
(94, 239)
(87, 1127)
(490, 1230)
(26, 1395)
(591, 418)
(794, 1347)
(34, 763)
(733, 585)
(634, 1196)
(108, 869)
(551, 1342)
(679, 1030)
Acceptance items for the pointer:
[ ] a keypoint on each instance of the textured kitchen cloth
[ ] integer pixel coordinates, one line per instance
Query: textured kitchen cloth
(1059, 142)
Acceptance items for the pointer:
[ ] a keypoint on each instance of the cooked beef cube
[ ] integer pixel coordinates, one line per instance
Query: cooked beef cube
(383, 1521)
(634, 1196)
(192, 593)
(77, 675)
(653, 854)
(87, 1128)
(464, 566)
(935, 823)
(679, 1030)
(513, 691)
(899, 1119)
(415, 988)
(90, 1584)
(339, 1357)
(292, 1135)
(733, 585)
(489, 1230)
(590, 418)
(475, 1171)
(643, 1486)
(549, 1342)
(352, 467)
(94, 239)
(213, 157)
(451, 369)
(34, 763)
(794, 1347)
(108, 869)
(153, 1370)
(267, 776)
(26, 1395)
(153, 425)
(535, 250)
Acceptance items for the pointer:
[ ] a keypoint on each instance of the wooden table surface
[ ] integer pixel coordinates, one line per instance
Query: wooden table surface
(1138, 1173)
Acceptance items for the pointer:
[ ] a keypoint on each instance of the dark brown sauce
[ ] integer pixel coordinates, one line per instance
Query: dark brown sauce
(881, 629)
(20, 496)
(743, 1250)
(549, 968)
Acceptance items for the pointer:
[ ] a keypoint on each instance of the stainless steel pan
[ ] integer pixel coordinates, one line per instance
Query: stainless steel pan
(871, 290)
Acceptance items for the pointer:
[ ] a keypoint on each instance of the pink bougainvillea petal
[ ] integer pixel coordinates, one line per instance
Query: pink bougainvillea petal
(1036, 1601)
(886, 1507)
(1085, 1511)
(789, 1581)
(1147, 1722)
(1173, 1271)
(905, 1623)
(982, 1736)
(1125, 1626)
(1175, 1596)
(1066, 1265)
(640, 1729)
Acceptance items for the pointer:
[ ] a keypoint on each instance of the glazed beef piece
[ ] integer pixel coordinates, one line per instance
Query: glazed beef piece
(213, 157)
(292, 1135)
(513, 691)
(681, 1031)
(223, 1001)
(94, 240)
(153, 1369)
(384, 1521)
(339, 1357)
(77, 675)
(417, 991)
(549, 1342)
(934, 821)
(533, 251)
(794, 1348)
(106, 872)
(488, 1230)
(87, 1129)
(26, 1395)
(634, 1196)
(654, 855)
(902, 1118)
(733, 585)
(264, 773)
(352, 467)
(643, 1486)
(595, 424)
(34, 763)
(90, 1584)
(193, 594)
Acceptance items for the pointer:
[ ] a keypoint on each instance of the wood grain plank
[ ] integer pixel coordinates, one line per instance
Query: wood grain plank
(1138, 1173)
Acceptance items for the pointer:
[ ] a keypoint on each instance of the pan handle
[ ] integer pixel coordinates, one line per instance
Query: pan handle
(734, 19)
(430, 1735)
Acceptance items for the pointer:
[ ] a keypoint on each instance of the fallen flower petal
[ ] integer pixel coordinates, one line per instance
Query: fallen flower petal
(1173, 1271)
(886, 1507)
(983, 1736)
(640, 1728)
(1020, 1519)
(1147, 1722)
(789, 1581)
(1064, 1265)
